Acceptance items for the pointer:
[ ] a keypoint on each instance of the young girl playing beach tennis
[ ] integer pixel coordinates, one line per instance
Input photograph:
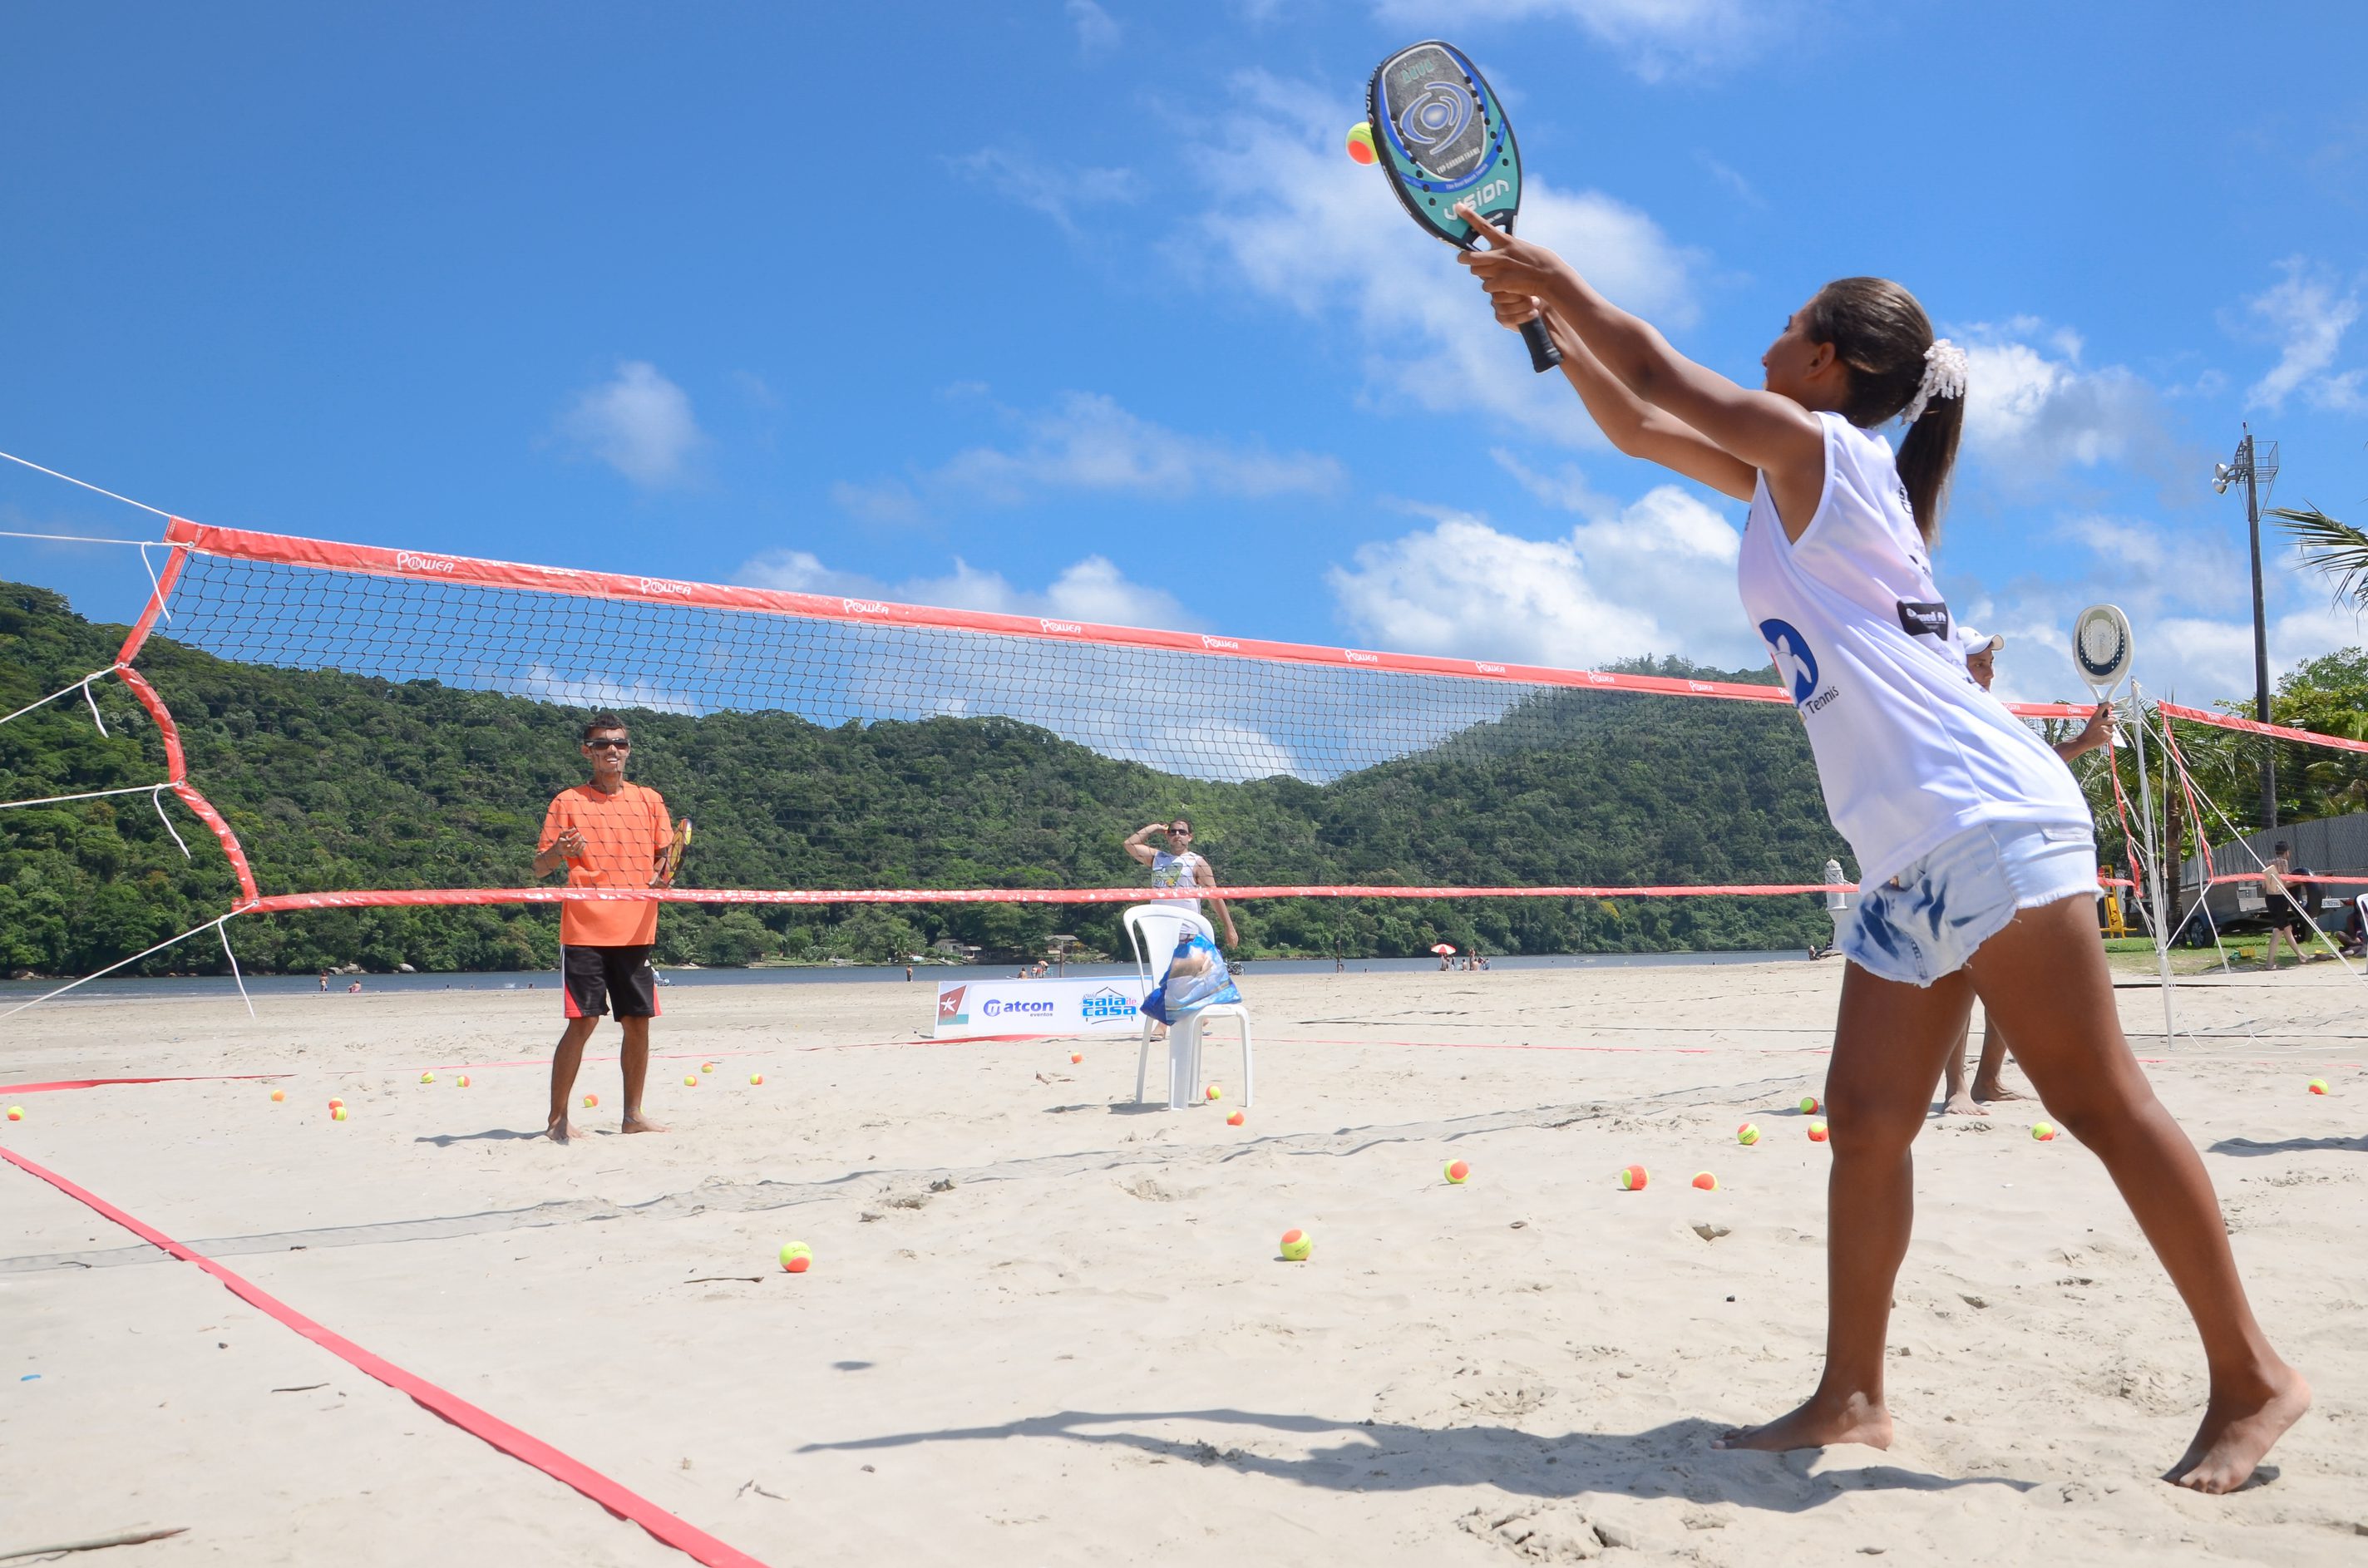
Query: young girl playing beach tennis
(1975, 848)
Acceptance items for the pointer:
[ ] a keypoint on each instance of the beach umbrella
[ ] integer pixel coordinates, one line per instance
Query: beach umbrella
(1443, 949)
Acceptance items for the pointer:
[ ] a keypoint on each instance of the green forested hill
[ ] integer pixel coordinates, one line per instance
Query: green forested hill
(333, 781)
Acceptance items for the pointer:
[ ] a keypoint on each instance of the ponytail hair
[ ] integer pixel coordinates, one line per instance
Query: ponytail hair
(1882, 334)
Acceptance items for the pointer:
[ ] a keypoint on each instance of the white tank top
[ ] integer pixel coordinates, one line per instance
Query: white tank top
(1177, 870)
(1910, 751)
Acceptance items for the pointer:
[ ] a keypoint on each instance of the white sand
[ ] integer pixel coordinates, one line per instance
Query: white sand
(1085, 1350)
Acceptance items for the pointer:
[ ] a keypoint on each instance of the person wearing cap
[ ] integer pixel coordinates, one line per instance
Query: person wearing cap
(1980, 650)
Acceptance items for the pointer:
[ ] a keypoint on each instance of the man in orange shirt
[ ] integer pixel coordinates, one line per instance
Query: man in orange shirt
(609, 834)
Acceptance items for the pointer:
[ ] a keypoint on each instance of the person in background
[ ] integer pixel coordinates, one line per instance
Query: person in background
(1958, 1097)
(2286, 915)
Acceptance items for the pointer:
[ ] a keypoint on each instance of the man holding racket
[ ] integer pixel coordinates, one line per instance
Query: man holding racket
(609, 834)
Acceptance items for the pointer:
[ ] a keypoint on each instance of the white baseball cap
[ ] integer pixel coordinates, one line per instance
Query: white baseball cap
(1972, 641)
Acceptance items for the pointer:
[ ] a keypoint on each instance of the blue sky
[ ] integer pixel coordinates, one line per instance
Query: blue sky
(1079, 306)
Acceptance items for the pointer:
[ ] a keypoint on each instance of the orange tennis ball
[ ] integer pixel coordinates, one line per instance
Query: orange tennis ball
(2319, 1085)
(1816, 1132)
(2043, 1130)
(756, 1077)
(1360, 142)
(462, 1082)
(16, 1113)
(1076, 1057)
(279, 1094)
(796, 1256)
(1235, 1121)
(337, 1113)
(1215, 1093)
(1808, 1105)
(691, 1080)
(591, 1101)
(1748, 1134)
(1296, 1246)
(1706, 1181)
(335, 1104)
(707, 1066)
(1457, 1172)
(428, 1077)
(1632, 1178)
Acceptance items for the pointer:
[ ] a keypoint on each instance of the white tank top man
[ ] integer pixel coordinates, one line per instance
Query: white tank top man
(1180, 866)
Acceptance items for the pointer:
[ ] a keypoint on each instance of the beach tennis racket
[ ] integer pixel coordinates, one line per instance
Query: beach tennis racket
(2102, 646)
(1440, 138)
(670, 857)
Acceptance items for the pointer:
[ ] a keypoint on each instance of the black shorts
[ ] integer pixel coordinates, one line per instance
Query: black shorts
(596, 977)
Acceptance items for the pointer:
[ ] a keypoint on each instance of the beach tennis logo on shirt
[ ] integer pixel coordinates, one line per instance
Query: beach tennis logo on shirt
(1106, 1006)
(1795, 663)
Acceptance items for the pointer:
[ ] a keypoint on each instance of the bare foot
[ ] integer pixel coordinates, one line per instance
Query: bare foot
(2235, 1434)
(1997, 1091)
(1962, 1104)
(1851, 1418)
(636, 1122)
(558, 1132)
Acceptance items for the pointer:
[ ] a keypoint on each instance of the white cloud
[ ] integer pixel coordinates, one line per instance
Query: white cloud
(1654, 578)
(1055, 190)
(2033, 409)
(1090, 589)
(2307, 314)
(1655, 37)
(1098, 32)
(1299, 222)
(637, 422)
(1087, 442)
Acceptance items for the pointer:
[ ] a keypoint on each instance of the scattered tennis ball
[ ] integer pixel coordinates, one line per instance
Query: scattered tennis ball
(1808, 1105)
(2319, 1085)
(1076, 1057)
(279, 1094)
(1706, 1181)
(1360, 142)
(462, 1082)
(1235, 1120)
(1456, 1172)
(756, 1077)
(1748, 1134)
(1816, 1132)
(337, 1113)
(1632, 1178)
(428, 1077)
(1296, 1246)
(591, 1101)
(16, 1113)
(1215, 1093)
(796, 1256)
(335, 1104)
(691, 1080)
(2043, 1130)
(707, 1066)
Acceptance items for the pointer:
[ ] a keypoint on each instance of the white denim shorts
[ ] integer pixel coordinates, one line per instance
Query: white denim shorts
(1927, 921)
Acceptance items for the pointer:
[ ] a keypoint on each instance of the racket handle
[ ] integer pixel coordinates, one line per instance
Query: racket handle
(1543, 355)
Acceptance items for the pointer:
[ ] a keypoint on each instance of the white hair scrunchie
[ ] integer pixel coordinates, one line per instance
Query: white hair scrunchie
(1945, 367)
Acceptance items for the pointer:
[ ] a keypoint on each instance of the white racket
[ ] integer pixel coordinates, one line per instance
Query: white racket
(2102, 647)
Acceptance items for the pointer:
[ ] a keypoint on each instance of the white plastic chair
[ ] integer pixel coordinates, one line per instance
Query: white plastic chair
(1155, 929)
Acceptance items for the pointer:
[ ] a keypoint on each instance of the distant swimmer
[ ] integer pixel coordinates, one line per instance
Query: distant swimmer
(1958, 1099)
(608, 834)
(1977, 853)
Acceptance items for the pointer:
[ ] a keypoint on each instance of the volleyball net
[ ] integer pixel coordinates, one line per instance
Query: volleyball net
(361, 729)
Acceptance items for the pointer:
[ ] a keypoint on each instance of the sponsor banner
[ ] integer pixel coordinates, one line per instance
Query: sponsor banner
(967, 1008)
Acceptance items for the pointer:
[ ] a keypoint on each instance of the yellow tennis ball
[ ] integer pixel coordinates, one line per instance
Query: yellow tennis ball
(428, 1077)
(1748, 1134)
(1457, 1172)
(796, 1256)
(1296, 1246)
(1706, 1181)
(277, 1095)
(16, 1113)
(1816, 1132)
(591, 1101)
(707, 1066)
(462, 1082)
(1360, 142)
(756, 1077)
(1808, 1105)
(1215, 1093)
(2319, 1085)
(337, 1113)
(2043, 1130)
(691, 1080)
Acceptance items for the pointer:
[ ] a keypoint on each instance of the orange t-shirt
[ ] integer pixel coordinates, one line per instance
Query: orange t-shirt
(623, 834)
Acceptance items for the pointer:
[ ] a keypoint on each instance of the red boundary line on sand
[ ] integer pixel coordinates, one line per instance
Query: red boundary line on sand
(104, 1082)
(243, 544)
(684, 1537)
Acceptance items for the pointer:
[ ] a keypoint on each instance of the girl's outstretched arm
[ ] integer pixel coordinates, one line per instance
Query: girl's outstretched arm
(1633, 426)
(1761, 430)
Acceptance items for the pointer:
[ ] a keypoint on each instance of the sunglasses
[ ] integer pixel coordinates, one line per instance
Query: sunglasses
(609, 745)
(1180, 833)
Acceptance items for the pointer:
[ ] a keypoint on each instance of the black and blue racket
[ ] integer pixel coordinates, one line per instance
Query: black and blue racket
(1440, 138)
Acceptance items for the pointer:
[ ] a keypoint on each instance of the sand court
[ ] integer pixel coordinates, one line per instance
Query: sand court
(1045, 1326)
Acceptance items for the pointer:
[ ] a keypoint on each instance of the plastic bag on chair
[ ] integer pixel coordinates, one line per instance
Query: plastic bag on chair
(1197, 978)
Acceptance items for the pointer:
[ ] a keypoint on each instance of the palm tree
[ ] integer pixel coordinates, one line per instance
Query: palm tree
(2335, 547)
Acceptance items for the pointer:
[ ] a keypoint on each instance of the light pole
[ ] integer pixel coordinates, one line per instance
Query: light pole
(2255, 466)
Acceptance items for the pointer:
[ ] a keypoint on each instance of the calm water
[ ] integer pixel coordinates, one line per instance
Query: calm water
(547, 979)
